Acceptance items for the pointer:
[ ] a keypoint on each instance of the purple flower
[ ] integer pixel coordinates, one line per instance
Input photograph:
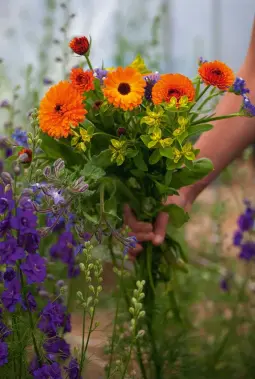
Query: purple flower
(4, 331)
(224, 284)
(100, 74)
(55, 194)
(237, 238)
(52, 219)
(248, 107)
(52, 317)
(64, 248)
(151, 80)
(246, 221)
(129, 243)
(3, 353)
(201, 60)
(47, 81)
(73, 271)
(11, 296)
(73, 369)
(30, 242)
(239, 87)
(247, 251)
(10, 252)
(9, 275)
(48, 372)
(8, 152)
(6, 200)
(34, 268)
(20, 137)
(30, 303)
(5, 104)
(25, 221)
(4, 227)
(57, 347)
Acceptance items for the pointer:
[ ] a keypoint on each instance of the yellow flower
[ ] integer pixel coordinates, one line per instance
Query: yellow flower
(118, 150)
(177, 155)
(157, 140)
(153, 118)
(139, 65)
(82, 138)
(188, 152)
(182, 121)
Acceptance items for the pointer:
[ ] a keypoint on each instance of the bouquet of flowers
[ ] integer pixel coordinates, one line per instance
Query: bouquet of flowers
(101, 138)
(128, 131)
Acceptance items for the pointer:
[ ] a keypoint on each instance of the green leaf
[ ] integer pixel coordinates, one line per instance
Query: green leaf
(137, 173)
(165, 190)
(182, 137)
(139, 162)
(155, 157)
(166, 152)
(170, 165)
(131, 153)
(177, 216)
(92, 172)
(103, 159)
(185, 176)
(55, 149)
(92, 219)
(198, 129)
(168, 178)
(145, 139)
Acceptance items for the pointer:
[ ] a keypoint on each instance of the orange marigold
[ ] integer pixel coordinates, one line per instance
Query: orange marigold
(79, 45)
(83, 81)
(124, 88)
(172, 85)
(217, 74)
(60, 109)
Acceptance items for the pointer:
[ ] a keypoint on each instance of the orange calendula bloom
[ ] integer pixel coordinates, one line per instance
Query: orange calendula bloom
(60, 109)
(217, 74)
(83, 81)
(79, 45)
(172, 85)
(124, 88)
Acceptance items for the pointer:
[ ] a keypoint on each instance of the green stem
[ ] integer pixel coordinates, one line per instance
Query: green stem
(101, 200)
(30, 317)
(88, 62)
(200, 96)
(138, 347)
(83, 338)
(210, 119)
(115, 320)
(128, 359)
(90, 330)
(13, 342)
(194, 116)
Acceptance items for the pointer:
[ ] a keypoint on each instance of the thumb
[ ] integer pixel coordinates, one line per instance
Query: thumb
(160, 228)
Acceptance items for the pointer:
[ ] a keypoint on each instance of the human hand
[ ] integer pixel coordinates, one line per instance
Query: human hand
(145, 231)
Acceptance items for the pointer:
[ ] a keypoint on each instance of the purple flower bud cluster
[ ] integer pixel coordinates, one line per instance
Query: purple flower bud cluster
(239, 87)
(20, 137)
(151, 80)
(248, 107)
(241, 237)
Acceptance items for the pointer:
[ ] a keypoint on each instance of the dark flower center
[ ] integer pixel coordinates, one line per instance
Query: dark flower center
(24, 221)
(124, 88)
(217, 72)
(173, 92)
(58, 107)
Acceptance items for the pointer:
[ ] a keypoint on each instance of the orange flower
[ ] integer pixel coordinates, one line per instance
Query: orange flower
(217, 74)
(124, 88)
(172, 85)
(83, 81)
(79, 45)
(60, 109)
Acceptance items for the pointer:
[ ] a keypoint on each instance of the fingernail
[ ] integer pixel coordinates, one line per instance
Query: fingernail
(158, 240)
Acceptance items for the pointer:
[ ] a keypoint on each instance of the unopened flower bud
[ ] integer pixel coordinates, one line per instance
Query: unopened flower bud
(6, 177)
(25, 156)
(60, 283)
(58, 166)
(121, 132)
(17, 170)
(47, 171)
(80, 45)
(82, 267)
(140, 334)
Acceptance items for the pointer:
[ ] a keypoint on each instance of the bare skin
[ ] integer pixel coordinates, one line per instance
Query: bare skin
(221, 145)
